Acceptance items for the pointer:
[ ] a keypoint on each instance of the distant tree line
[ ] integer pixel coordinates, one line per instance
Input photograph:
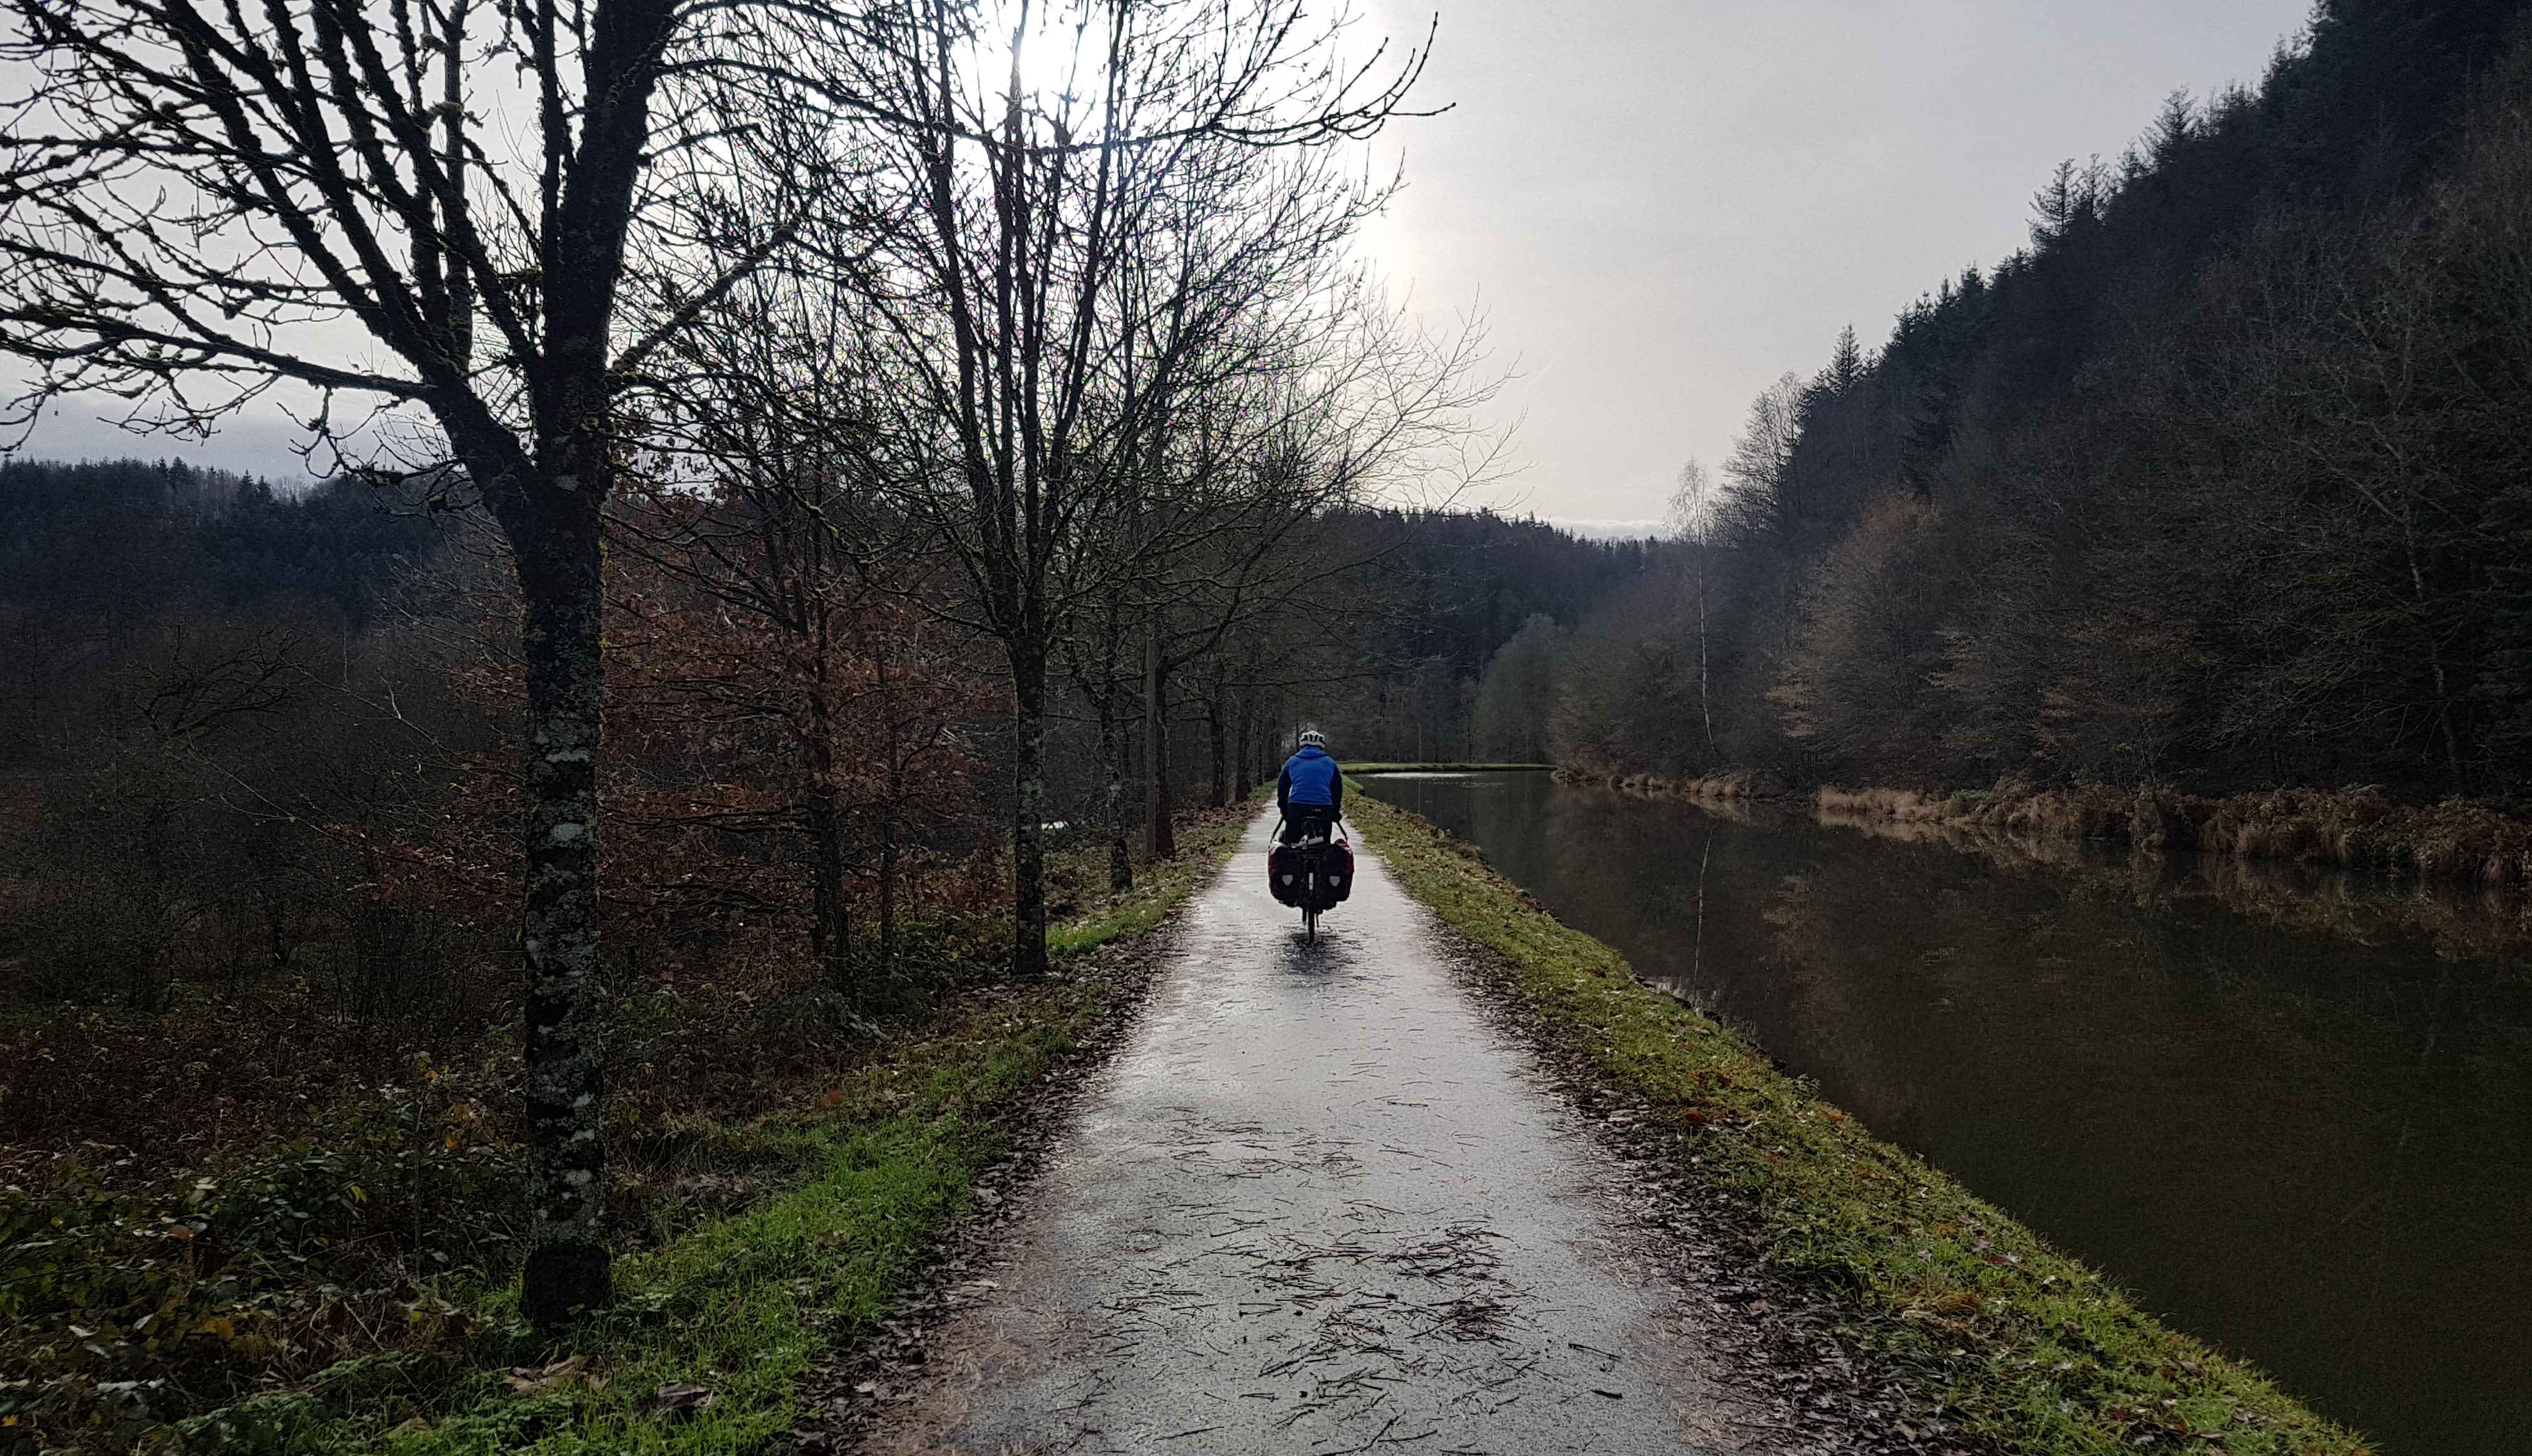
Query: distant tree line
(2218, 482)
(1393, 672)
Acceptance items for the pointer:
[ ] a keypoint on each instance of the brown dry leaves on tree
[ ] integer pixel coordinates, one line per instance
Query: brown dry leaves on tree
(736, 747)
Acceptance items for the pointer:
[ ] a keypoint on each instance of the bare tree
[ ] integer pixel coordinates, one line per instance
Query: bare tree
(756, 499)
(1348, 403)
(1760, 501)
(1695, 506)
(1041, 359)
(475, 221)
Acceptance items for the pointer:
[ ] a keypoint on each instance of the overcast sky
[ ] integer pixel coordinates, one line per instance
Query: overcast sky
(1663, 204)
(1666, 203)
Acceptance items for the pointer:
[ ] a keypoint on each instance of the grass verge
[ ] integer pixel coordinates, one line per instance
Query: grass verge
(1159, 888)
(715, 1324)
(2027, 1347)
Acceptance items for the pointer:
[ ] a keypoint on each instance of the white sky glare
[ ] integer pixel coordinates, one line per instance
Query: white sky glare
(1662, 207)
(1663, 204)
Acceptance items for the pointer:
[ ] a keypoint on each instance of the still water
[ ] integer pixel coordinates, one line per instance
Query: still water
(2292, 1115)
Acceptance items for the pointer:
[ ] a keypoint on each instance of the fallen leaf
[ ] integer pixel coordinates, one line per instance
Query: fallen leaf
(676, 1397)
(562, 1375)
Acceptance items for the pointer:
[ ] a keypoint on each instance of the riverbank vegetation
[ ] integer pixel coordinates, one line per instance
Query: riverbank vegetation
(2360, 828)
(2215, 490)
(2028, 1348)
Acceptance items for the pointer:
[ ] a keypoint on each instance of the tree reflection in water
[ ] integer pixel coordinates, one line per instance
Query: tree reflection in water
(2292, 1113)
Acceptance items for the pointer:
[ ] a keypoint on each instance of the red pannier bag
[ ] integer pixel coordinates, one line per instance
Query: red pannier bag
(1336, 872)
(1283, 874)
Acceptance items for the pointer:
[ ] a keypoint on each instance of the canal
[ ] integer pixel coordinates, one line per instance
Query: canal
(2289, 1112)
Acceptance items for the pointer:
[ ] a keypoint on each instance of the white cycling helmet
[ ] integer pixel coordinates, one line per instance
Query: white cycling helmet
(1311, 738)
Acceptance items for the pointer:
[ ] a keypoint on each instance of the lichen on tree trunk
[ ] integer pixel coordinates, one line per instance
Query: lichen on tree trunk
(1217, 739)
(1160, 835)
(830, 928)
(558, 556)
(1245, 758)
(1112, 751)
(1028, 807)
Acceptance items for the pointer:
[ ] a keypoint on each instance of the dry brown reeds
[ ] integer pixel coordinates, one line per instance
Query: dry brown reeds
(2354, 828)
(1726, 787)
(2361, 827)
(1904, 804)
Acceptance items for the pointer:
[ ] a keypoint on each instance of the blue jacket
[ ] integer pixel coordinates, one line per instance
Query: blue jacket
(1311, 780)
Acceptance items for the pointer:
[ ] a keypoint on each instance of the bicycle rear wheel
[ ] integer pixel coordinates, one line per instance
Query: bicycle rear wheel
(1310, 926)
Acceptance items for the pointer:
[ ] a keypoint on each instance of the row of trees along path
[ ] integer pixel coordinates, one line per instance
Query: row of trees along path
(1024, 322)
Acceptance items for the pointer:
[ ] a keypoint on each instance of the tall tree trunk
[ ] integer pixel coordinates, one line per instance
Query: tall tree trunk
(1112, 805)
(1704, 670)
(1102, 689)
(2423, 603)
(1245, 755)
(1028, 801)
(556, 546)
(875, 648)
(828, 940)
(1215, 734)
(1156, 750)
(887, 865)
(1121, 846)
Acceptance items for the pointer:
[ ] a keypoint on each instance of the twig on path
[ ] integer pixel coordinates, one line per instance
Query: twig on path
(1382, 1437)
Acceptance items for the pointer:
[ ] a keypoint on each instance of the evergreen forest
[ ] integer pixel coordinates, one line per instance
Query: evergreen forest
(2218, 483)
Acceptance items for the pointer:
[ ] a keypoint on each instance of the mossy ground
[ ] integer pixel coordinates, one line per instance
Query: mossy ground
(717, 1320)
(2026, 1347)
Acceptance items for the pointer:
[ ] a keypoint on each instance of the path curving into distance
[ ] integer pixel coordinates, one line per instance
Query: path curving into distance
(1319, 1203)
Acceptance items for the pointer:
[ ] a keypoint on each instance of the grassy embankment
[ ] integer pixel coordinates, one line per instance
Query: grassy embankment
(129, 1307)
(2027, 1347)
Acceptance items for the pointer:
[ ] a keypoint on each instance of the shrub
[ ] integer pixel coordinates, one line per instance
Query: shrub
(126, 1310)
(98, 935)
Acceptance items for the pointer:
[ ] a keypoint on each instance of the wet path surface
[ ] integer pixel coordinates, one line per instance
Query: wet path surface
(1319, 1203)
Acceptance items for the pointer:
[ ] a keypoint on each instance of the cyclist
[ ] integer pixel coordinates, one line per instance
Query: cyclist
(1311, 792)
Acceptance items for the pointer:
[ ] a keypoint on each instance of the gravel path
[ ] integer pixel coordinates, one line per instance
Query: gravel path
(1320, 1203)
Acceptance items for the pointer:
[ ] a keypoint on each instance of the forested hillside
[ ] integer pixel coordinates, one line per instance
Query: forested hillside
(2219, 483)
(1441, 592)
(117, 578)
(251, 732)
(129, 576)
